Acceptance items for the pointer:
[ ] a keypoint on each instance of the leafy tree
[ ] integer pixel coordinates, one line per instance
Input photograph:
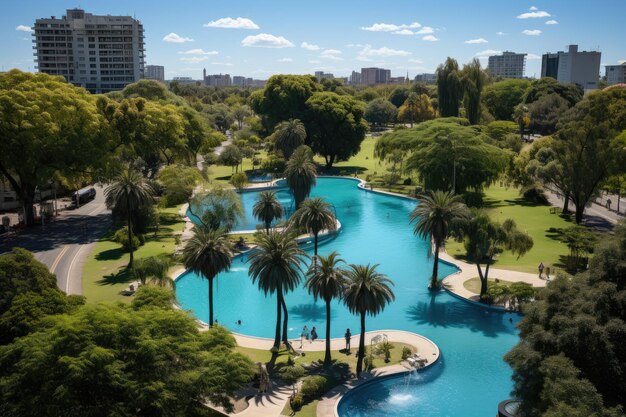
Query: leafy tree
(162, 133)
(288, 136)
(46, 126)
(546, 112)
(326, 280)
(129, 192)
(222, 116)
(240, 113)
(547, 85)
(231, 156)
(208, 253)
(217, 208)
(150, 90)
(367, 292)
(178, 182)
(276, 266)
(398, 96)
(570, 358)
(579, 241)
(198, 137)
(416, 108)
(112, 359)
(502, 97)
(449, 88)
(473, 79)
(314, 215)
(267, 208)
(284, 98)
(380, 112)
(149, 296)
(335, 126)
(499, 129)
(301, 174)
(446, 154)
(438, 216)
(154, 268)
(239, 180)
(485, 239)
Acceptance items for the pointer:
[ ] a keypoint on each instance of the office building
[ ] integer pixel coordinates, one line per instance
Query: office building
(217, 80)
(155, 72)
(321, 74)
(371, 76)
(426, 78)
(355, 78)
(616, 74)
(99, 53)
(397, 80)
(507, 65)
(239, 81)
(573, 67)
(185, 80)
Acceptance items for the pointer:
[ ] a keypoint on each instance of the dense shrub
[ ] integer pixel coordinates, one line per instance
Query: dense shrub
(314, 386)
(239, 180)
(473, 199)
(534, 194)
(296, 402)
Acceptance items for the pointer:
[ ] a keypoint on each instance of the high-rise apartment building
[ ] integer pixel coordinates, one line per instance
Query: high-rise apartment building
(573, 67)
(355, 78)
(155, 72)
(99, 53)
(217, 80)
(321, 74)
(507, 65)
(616, 74)
(426, 78)
(371, 76)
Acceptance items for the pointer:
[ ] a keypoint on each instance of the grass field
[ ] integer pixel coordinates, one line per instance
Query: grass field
(105, 273)
(503, 203)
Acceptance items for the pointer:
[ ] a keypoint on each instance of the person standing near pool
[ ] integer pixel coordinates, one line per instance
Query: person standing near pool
(348, 336)
(540, 268)
(304, 335)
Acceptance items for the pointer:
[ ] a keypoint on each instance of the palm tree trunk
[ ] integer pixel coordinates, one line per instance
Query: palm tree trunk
(285, 324)
(130, 236)
(210, 302)
(483, 281)
(315, 250)
(279, 297)
(361, 353)
(267, 227)
(327, 358)
(433, 279)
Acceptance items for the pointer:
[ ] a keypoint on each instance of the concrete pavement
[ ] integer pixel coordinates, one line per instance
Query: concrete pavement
(64, 243)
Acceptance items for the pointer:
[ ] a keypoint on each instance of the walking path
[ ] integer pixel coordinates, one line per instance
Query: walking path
(596, 215)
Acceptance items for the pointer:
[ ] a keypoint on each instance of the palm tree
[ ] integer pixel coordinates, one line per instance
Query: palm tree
(367, 292)
(267, 209)
(301, 173)
(276, 265)
(208, 253)
(315, 215)
(326, 281)
(288, 135)
(129, 192)
(438, 215)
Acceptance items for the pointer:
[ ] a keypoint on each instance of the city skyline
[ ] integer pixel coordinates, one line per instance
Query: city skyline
(244, 38)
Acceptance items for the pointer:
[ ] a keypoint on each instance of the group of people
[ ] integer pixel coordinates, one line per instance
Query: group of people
(312, 336)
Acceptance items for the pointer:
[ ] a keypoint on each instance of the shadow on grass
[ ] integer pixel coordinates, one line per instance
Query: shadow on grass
(110, 255)
(167, 219)
(344, 170)
(120, 277)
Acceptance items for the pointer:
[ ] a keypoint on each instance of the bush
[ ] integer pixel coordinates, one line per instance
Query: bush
(521, 293)
(384, 349)
(296, 402)
(473, 199)
(406, 352)
(273, 164)
(534, 194)
(496, 294)
(239, 180)
(314, 386)
(211, 158)
(121, 237)
(407, 181)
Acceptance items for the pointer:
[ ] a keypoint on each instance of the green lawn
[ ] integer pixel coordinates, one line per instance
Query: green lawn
(473, 284)
(536, 220)
(105, 273)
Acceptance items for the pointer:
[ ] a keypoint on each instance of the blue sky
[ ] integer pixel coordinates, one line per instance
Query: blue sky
(263, 37)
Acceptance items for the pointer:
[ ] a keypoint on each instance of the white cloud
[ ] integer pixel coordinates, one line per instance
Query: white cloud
(403, 32)
(285, 60)
(265, 40)
(416, 61)
(487, 53)
(367, 52)
(533, 15)
(230, 23)
(194, 59)
(356, 45)
(533, 8)
(24, 28)
(430, 38)
(315, 61)
(331, 54)
(552, 22)
(426, 30)
(226, 64)
(621, 61)
(175, 38)
(198, 52)
(534, 32)
(309, 46)
(500, 33)
(532, 57)
(475, 41)
(390, 27)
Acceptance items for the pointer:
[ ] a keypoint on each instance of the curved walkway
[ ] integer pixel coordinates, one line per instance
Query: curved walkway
(454, 283)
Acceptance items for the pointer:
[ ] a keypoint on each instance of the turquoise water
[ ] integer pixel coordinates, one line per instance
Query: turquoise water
(471, 377)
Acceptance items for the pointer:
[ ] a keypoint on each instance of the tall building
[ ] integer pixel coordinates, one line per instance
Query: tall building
(426, 78)
(321, 74)
(99, 53)
(239, 81)
(217, 80)
(355, 78)
(616, 74)
(573, 67)
(507, 65)
(371, 76)
(155, 72)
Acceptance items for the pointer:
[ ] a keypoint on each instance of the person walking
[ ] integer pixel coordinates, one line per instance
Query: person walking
(303, 335)
(348, 336)
(540, 268)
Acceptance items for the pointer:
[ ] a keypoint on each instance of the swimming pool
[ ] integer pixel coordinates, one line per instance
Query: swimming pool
(469, 380)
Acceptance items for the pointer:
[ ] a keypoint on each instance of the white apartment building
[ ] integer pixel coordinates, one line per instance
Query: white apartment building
(616, 74)
(573, 67)
(155, 72)
(99, 53)
(507, 65)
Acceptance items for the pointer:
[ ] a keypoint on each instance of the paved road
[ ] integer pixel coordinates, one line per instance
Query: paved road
(63, 244)
(595, 215)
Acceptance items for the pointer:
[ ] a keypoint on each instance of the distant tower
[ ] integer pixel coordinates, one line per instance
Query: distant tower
(407, 77)
(204, 75)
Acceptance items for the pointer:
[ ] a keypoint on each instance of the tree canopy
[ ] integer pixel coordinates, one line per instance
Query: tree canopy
(501, 97)
(547, 85)
(380, 112)
(449, 88)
